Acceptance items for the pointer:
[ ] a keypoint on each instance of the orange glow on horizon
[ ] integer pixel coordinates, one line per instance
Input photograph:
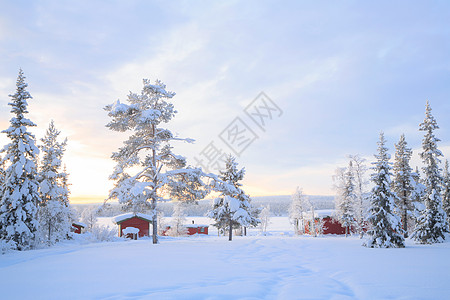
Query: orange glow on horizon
(87, 199)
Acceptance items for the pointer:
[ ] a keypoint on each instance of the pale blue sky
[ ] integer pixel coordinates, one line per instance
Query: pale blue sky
(340, 71)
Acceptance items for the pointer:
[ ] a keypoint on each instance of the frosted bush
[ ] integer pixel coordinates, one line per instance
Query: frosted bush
(102, 233)
(5, 246)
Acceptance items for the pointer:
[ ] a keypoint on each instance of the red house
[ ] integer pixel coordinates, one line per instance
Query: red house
(324, 223)
(77, 227)
(197, 229)
(190, 229)
(136, 220)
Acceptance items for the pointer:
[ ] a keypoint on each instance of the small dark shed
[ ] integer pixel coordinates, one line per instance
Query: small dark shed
(78, 226)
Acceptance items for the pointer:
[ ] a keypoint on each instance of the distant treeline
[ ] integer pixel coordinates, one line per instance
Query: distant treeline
(279, 206)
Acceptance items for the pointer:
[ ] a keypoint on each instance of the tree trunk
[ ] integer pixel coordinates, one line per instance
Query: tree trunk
(405, 215)
(154, 220)
(155, 230)
(230, 233)
(49, 231)
(296, 226)
(405, 222)
(154, 223)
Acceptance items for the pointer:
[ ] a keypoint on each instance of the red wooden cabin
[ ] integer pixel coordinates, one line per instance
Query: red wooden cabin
(190, 229)
(136, 220)
(77, 227)
(324, 222)
(329, 226)
(197, 229)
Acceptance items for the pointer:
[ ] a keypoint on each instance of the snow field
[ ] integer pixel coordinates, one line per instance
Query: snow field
(278, 266)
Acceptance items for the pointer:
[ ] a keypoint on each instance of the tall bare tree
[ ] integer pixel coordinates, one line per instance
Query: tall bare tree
(146, 165)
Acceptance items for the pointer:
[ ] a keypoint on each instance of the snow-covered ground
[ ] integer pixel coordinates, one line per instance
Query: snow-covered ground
(277, 266)
(277, 226)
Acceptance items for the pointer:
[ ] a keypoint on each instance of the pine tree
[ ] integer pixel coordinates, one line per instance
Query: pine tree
(417, 195)
(232, 209)
(2, 173)
(386, 230)
(432, 224)
(146, 165)
(65, 191)
(89, 217)
(2, 180)
(313, 218)
(347, 199)
(55, 214)
(402, 183)
(178, 219)
(19, 194)
(446, 192)
(360, 205)
(265, 218)
(297, 209)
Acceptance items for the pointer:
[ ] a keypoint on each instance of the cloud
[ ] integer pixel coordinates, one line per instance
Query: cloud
(340, 73)
(314, 179)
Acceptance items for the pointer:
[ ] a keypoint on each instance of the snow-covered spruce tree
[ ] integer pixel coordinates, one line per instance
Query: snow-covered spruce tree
(264, 216)
(162, 226)
(361, 199)
(338, 183)
(446, 192)
(146, 165)
(55, 214)
(178, 219)
(232, 208)
(312, 219)
(297, 209)
(386, 230)
(19, 194)
(347, 199)
(2, 170)
(65, 191)
(432, 224)
(403, 182)
(417, 195)
(2, 173)
(254, 217)
(89, 217)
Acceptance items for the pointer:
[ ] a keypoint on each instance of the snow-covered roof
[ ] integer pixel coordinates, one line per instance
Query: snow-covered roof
(195, 225)
(120, 218)
(322, 213)
(76, 223)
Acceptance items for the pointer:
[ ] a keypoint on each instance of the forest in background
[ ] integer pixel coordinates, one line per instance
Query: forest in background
(279, 206)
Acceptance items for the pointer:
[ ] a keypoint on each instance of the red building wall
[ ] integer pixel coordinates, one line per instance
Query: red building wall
(330, 226)
(143, 225)
(77, 228)
(191, 230)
